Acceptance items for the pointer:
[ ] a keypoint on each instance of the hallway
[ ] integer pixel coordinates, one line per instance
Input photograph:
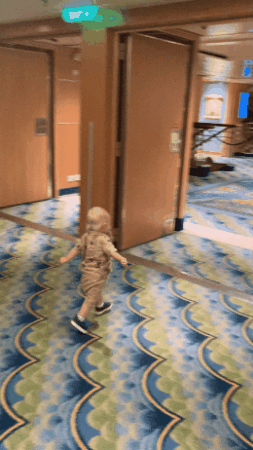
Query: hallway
(170, 366)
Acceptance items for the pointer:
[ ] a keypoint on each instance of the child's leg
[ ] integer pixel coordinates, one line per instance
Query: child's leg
(100, 300)
(85, 309)
(93, 298)
(92, 285)
(99, 295)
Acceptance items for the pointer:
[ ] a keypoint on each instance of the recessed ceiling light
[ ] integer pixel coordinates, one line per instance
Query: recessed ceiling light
(222, 43)
(219, 30)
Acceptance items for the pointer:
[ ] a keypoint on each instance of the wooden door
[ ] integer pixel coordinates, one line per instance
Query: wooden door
(156, 81)
(24, 155)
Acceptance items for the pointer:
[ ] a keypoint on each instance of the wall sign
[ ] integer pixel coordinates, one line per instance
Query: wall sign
(243, 105)
(175, 141)
(247, 68)
(92, 17)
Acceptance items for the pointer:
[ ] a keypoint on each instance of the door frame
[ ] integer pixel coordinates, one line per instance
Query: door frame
(122, 125)
(177, 38)
(52, 188)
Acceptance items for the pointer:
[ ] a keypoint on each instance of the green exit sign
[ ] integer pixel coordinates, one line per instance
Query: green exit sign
(93, 16)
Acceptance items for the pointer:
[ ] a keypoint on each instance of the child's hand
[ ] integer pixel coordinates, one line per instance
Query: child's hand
(63, 260)
(124, 262)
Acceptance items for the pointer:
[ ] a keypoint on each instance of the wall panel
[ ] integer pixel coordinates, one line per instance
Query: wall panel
(67, 117)
(24, 156)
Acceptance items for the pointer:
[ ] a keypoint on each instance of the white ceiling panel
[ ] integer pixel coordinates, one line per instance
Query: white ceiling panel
(221, 30)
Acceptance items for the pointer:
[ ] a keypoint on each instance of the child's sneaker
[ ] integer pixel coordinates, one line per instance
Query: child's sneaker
(82, 326)
(106, 307)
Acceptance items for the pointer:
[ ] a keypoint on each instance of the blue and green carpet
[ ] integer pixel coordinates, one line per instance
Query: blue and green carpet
(170, 367)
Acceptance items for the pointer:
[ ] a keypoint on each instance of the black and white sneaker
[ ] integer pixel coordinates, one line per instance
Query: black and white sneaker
(106, 307)
(81, 326)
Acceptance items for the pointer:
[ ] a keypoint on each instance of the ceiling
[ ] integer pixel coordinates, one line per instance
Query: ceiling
(68, 41)
(18, 11)
(220, 39)
(226, 30)
(228, 39)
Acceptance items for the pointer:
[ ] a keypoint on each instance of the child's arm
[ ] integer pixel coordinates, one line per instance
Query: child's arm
(120, 258)
(74, 252)
(110, 250)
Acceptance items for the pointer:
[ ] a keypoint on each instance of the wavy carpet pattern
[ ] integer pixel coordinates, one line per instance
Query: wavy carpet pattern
(243, 169)
(218, 219)
(61, 213)
(202, 258)
(233, 197)
(223, 200)
(169, 368)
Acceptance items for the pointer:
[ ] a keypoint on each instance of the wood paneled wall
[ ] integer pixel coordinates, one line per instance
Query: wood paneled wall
(98, 103)
(66, 113)
(67, 117)
(24, 155)
(99, 72)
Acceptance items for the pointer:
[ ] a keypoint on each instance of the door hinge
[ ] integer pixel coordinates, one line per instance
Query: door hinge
(115, 233)
(122, 51)
(118, 149)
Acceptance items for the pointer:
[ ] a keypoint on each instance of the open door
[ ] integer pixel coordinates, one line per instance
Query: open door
(153, 111)
(24, 141)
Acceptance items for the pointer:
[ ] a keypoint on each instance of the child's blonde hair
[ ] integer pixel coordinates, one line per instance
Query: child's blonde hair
(96, 217)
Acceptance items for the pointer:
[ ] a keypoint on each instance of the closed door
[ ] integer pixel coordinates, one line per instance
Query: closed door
(155, 88)
(24, 155)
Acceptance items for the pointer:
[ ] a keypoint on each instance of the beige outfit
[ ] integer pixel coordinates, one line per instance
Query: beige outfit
(96, 249)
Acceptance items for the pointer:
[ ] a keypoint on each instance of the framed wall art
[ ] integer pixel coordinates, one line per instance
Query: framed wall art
(213, 106)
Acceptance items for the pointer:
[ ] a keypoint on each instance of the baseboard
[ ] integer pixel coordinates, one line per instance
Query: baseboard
(245, 155)
(68, 191)
(200, 171)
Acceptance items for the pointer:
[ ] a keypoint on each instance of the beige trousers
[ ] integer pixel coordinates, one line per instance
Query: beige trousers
(93, 281)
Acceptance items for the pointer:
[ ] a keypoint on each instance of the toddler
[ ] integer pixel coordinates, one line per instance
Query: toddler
(97, 249)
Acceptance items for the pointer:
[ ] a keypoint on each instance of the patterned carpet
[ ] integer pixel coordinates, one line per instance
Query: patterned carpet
(243, 169)
(223, 200)
(237, 197)
(169, 368)
(62, 213)
(202, 258)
